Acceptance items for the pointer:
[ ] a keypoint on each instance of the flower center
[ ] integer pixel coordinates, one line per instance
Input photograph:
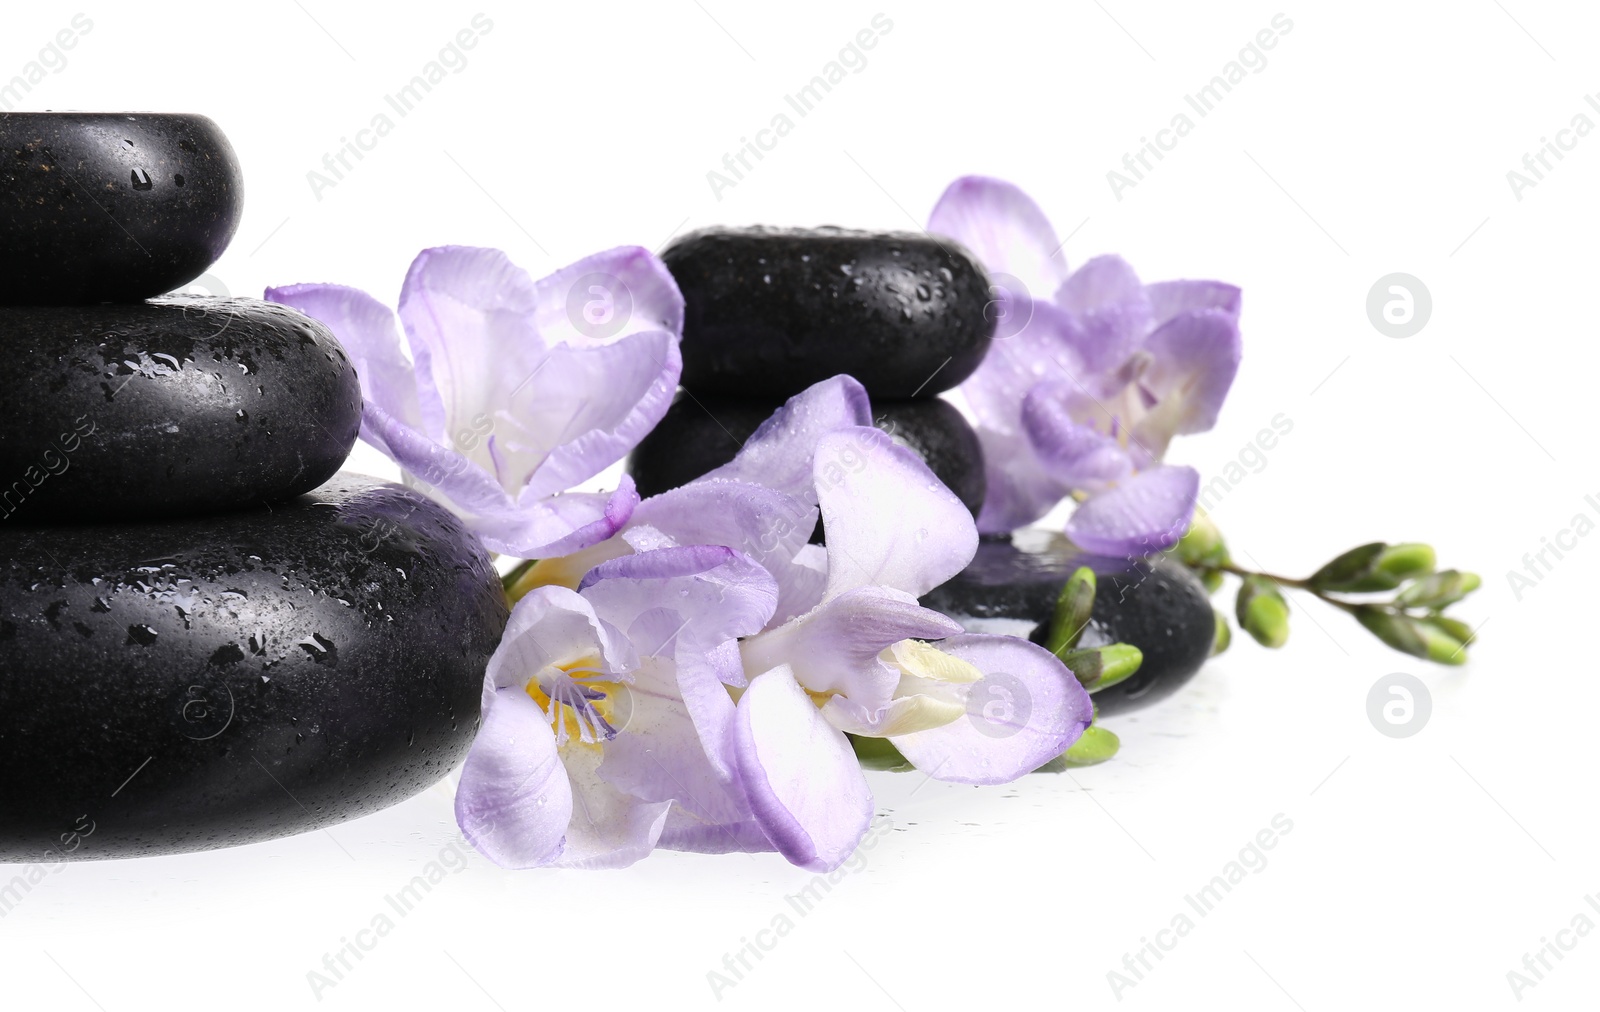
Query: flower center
(578, 699)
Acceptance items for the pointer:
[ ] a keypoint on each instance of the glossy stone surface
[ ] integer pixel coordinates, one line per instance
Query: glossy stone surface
(768, 312)
(181, 405)
(190, 685)
(1156, 605)
(699, 434)
(111, 207)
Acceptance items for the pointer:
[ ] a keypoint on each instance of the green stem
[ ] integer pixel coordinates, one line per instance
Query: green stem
(1285, 581)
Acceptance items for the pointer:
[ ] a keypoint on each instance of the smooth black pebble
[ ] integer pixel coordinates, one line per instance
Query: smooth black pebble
(111, 207)
(180, 405)
(700, 434)
(768, 311)
(188, 685)
(1154, 604)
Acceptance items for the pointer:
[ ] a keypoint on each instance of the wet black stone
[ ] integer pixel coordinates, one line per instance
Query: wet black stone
(180, 405)
(699, 434)
(204, 683)
(1156, 605)
(768, 312)
(111, 207)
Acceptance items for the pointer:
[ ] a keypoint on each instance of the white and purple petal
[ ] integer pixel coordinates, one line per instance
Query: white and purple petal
(1004, 229)
(609, 828)
(1193, 360)
(514, 801)
(835, 647)
(707, 594)
(779, 454)
(606, 297)
(553, 626)
(1108, 307)
(1169, 298)
(888, 520)
(1027, 709)
(1019, 490)
(1067, 446)
(1144, 513)
(800, 774)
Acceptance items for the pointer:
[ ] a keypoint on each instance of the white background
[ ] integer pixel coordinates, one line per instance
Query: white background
(1376, 139)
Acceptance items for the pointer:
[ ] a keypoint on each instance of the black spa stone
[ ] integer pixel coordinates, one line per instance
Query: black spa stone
(1156, 605)
(182, 686)
(768, 312)
(111, 207)
(176, 406)
(699, 434)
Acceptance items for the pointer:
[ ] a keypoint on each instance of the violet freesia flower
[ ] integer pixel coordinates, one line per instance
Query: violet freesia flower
(1090, 376)
(514, 390)
(843, 648)
(587, 753)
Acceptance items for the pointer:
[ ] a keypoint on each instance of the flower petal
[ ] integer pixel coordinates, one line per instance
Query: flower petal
(684, 831)
(582, 410)
(608, 296)
(609, 828)
(1145, 513)
(557, 526)
(710, 594)
(903, 715)
(1049, 344)
(779, 454)
(1169, 298)
(658, 755)
(835, 648)
(468, 313)
(1004, 228)
(770, 526)
(515, 801)
(1026, 711)
(800, 774)
(1075, 453)
(889, 521)
(552, 626)
(539, 417)
(365, 328)
(1194, 358)
(1108, 305)
(1019, 491)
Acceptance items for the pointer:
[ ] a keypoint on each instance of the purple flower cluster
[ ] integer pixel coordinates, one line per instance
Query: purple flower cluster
(685, 671)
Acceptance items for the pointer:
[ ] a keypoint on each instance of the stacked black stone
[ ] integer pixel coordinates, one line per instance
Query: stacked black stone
(204, 640)
(768, 312)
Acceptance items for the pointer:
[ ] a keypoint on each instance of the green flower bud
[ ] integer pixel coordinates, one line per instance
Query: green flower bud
(1442, 647)
(1224, 635)
(1399, 631)
(1211, 579)
(1455, 627)
(1438, 591)
(1357, 570)
(1262, 611)
(1202, 546)
(1102, 667)
(1407, 561)
(1073, 607)
(1095, 746)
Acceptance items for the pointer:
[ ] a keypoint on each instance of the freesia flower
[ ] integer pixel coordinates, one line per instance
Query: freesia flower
(514, 390)
(1090, 376)
(587, 752)
(845, 647)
